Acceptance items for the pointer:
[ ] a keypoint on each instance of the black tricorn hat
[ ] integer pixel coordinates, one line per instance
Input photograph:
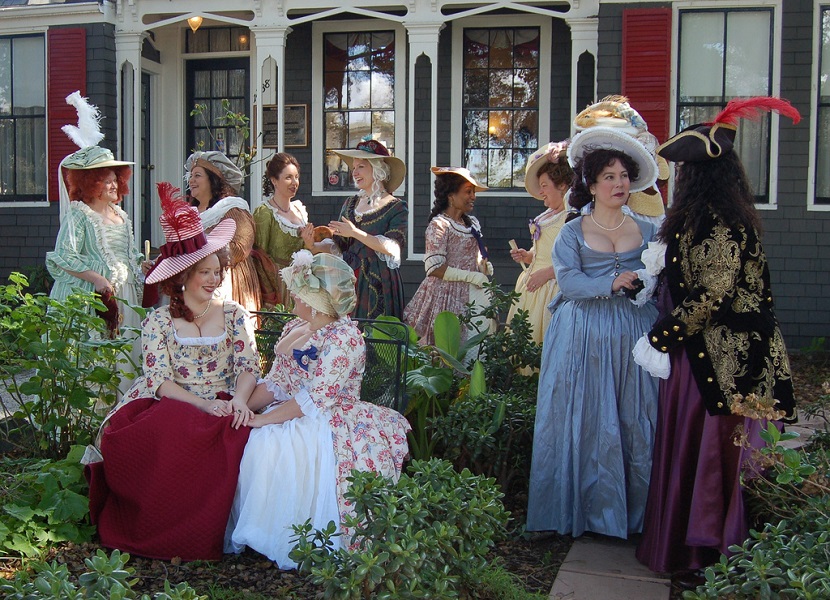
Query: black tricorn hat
(708, 141)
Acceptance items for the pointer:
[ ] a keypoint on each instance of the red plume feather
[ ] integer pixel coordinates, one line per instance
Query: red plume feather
(752, 108)
(177, 213)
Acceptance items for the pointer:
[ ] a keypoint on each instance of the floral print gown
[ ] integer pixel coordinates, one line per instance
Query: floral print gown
(297, 470)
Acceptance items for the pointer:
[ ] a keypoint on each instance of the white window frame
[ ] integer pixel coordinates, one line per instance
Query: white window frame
(812, 166)
(457, 101)
(317, 133)
(726, 5)
(36, 203)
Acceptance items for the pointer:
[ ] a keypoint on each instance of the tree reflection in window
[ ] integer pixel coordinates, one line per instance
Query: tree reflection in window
(500, 103)
(358, 96)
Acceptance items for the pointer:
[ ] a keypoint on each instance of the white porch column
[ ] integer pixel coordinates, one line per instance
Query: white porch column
(128, 64)
(423, 39)
(584, 38)
(269, 88)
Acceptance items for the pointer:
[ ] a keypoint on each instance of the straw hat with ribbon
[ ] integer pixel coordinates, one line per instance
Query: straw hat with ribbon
(86, 136)
(553, 152)
(322, 281)
(368, 149)
(186, 242)
(461, 172)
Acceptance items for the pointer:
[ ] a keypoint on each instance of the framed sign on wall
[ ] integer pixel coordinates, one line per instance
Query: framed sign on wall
(296, 125)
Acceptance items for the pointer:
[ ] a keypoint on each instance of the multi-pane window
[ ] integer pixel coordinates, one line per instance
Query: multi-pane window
(358, 96)
(500, 103)
(22, 119)
(822, 194)
(217, 39)
(727, 54)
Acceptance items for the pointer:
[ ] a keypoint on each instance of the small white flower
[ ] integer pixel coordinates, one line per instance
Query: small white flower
(302, 258)
(654, 257)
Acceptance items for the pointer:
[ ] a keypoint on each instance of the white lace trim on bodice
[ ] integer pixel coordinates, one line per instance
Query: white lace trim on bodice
(284, 224)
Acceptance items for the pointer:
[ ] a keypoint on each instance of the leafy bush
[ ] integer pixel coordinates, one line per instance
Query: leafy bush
(425, 537)
(75, 368)
(491, 434)
(778, 562)
(44, 502)
(509, 354)
(108, 578)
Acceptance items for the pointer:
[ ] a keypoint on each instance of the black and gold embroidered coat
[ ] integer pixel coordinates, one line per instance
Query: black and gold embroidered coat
(719, 283)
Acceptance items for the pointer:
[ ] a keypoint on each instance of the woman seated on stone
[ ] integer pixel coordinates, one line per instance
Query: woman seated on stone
(314, 430)
(170, 455)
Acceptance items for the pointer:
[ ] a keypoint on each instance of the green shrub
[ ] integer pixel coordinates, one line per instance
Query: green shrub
(491, 434)
(778, 562)
(44, 502)
(76, 369)
(107, 578)
(425, 537)
(500, 584)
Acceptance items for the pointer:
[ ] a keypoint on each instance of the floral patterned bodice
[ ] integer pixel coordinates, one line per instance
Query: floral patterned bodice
(204, 366)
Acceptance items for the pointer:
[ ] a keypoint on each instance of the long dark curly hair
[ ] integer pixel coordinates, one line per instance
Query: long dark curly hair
(446, 184)
(719, 186)
(218, 189)
(173, 286)
(588, 169)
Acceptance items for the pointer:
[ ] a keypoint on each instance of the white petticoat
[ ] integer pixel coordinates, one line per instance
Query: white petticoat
(287, 476)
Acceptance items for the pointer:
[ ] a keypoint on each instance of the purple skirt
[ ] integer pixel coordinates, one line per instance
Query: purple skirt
(695, 508)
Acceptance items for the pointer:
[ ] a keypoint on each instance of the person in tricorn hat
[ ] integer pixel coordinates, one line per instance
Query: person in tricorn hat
(371, 230)
(717, 341)
(163, 481)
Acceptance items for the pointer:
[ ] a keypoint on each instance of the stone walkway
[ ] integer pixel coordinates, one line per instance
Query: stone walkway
(599, 567)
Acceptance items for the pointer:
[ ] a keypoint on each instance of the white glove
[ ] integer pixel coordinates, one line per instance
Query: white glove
(652, 360)
(473, 277)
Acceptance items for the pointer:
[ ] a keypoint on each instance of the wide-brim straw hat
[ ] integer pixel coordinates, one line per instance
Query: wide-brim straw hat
(461, 172)
(368, 149)
(609, 138)
(93, 157)
(186, 242)
(650, 202)
(541, 157)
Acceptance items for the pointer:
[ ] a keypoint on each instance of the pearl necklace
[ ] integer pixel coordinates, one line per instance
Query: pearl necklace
(609, 228)
(204, 312)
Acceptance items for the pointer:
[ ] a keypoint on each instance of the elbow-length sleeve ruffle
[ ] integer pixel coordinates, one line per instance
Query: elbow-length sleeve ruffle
(567, 263)
(71, 253)
(246, 358)
(394, 238)
(436, 245)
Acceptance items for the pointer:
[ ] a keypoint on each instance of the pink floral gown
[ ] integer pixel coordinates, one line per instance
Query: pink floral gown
(297, 470)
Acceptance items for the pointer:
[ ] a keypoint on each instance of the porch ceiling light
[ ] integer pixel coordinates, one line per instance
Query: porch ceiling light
(195, 23)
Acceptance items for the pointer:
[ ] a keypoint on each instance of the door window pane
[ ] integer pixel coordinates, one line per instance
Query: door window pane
(500, 103)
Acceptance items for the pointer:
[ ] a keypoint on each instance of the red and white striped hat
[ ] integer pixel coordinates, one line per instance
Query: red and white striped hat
(186, 243)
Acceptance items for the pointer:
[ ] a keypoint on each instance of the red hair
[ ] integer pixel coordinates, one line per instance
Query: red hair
(84, 184)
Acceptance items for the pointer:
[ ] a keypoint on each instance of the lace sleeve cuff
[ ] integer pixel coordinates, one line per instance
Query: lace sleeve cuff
(655, 362)
(392, 252)
(307, 405)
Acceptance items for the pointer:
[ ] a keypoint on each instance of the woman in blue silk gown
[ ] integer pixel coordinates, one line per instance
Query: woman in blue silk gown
(596, 409)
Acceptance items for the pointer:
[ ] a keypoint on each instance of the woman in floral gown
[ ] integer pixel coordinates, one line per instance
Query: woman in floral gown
(456, 259)
(314, 430)
(547, 177)
(371, 232)
(163, 482)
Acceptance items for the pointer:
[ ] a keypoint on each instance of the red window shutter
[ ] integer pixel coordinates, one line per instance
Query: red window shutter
(646, 65)
(66, 72)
